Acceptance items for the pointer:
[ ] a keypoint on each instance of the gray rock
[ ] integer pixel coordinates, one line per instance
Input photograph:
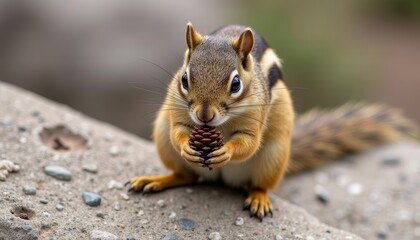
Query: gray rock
(205, 205)
(239, 221)
(58, 172)
(391, 161)
(59, 207)
(102, 235)
(170, 236)
(91, 199)
(92, 168)
(43, 201)
(27, 227)
(186, 224)
(100, 214)
(29, 190)
(215, 236)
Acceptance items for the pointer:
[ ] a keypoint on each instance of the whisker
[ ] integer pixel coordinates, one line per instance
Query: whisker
(259, 105)
(156, 65)
(246, 116)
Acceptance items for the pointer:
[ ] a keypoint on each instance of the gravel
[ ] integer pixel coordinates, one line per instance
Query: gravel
(115, 185)
(239, 221)
(278, 237)
(172, 216)
(100, 214)
(355, 189)
(322, 194)
(29, 190)
(58, 172)
(114, 151)
(161, 203)
(186, 224)
(215, 236)
(170, 236)
(102, 235)
(92, 168)
(91, 199)
(59, 207)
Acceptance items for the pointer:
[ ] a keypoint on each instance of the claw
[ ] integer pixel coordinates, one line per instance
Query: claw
(130, 189)
(261, 218)
(246, 206)
(271, 213)
(125, 184)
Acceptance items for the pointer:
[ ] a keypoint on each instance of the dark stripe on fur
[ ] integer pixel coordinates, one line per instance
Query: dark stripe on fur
(274, 75)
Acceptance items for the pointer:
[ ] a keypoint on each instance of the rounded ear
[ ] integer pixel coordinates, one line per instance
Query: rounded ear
(244, 43)
(193, 37)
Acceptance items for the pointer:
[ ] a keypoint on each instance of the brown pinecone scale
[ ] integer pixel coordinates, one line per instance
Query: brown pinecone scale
(205, 139)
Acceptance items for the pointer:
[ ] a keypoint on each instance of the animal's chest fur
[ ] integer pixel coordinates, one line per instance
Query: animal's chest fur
(232, 174)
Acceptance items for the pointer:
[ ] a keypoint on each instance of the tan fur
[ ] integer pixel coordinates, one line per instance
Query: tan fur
(322, 136)
(257, 125)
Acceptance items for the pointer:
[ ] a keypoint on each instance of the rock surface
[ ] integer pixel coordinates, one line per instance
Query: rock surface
(197, 212)
(375, 194)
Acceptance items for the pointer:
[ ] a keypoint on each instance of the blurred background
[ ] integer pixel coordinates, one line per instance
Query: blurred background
(104, 58)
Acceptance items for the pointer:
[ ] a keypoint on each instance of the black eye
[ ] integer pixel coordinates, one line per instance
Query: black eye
(184, 81)
(235, 85)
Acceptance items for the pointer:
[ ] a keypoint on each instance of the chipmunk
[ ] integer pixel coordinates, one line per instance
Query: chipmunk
(232, 80)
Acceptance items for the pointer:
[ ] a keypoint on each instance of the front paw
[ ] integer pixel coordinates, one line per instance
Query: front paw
(219, 158)
(191, 156)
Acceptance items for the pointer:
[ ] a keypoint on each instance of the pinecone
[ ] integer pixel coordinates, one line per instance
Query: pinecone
(205, 139)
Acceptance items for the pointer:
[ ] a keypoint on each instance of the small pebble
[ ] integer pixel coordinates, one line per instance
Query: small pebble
(160, 203)
(27, 228)
(189, 190)
(322, 194)
(117, 207)
(170, 236)
(381, 234)
(5, 122)
(22, 128)
(278, 237)
(215, 236)
(100, 214)
(355, 189)
(59, 207)
(29, 190)
(144, 221)
(43, 201)
(91, 199)
(58, 172)
(227, 213)
(102, 235)
(23, 140)
(92, 168)
(186, 224)
(46, 214)
(125, 196)
(391, 161)
(239, 221)
(115, 185)
(114, 151)
(131, 238)
(349, 238)
(172, 216)
(310, 237)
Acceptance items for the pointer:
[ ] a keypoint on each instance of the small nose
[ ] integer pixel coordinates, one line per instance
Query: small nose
(205, 115)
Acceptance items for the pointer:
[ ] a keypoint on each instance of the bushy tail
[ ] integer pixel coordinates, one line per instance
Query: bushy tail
(321, 136)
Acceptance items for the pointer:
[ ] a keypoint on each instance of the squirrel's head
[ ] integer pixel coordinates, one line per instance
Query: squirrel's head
(216, 75)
